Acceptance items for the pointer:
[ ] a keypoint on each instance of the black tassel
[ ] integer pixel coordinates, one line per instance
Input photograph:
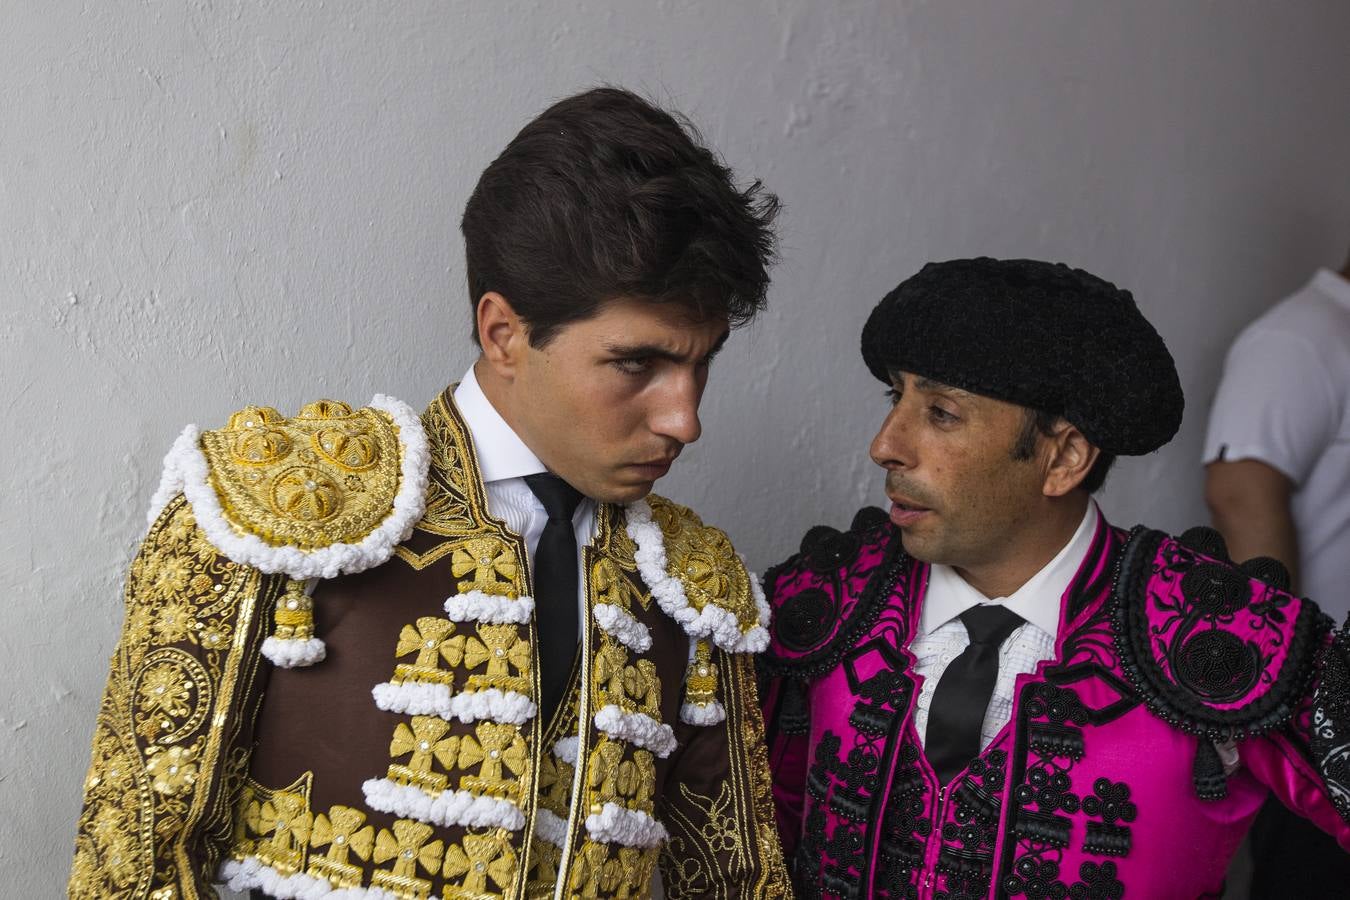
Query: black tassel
(1207, 772)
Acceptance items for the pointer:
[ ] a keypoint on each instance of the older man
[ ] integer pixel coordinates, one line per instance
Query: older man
(992, 691)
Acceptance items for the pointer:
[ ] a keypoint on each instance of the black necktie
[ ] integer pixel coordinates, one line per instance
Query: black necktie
(555, 588)
(961, 698)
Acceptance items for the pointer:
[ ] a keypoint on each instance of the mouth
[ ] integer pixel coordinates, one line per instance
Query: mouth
(652, 469)
(905, 513)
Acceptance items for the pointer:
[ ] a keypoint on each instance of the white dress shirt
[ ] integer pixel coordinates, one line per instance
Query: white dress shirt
(504, 461)
(942, 636)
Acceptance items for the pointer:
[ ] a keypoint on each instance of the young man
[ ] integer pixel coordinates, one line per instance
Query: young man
(994, 692)
(467, 655)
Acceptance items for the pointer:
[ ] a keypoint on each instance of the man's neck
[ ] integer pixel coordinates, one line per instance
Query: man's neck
(1030, 550)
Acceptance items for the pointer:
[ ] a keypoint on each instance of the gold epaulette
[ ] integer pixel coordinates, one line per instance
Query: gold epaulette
(327, 476)
(331, 490)
(713, 574)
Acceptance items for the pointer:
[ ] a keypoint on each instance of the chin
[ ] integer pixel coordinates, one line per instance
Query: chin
(623, 494)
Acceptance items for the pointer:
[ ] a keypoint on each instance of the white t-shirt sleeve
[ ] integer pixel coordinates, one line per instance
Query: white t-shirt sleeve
(1276, 403)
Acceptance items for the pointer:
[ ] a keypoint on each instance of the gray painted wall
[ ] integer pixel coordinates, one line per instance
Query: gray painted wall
(206, 204)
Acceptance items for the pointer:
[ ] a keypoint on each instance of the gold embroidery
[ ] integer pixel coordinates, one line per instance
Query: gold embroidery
(327, 476)
(633, 688)
(481, 858)
(493, 747)
(423, 743)
(185, 659)
(491, 561)
(726, 844)
(506, 655)
(342, 833)
(409, 845)
(701, 682)
(431, 640)
(703, 559)
(278, 824)
(294, 614)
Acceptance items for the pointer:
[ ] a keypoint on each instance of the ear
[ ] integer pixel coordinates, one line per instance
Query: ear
(1069, 458)
(501, 333)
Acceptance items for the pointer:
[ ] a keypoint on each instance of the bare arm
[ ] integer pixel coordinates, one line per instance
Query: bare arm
(1249, 503)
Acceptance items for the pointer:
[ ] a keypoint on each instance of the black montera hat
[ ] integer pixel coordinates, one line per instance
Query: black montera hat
(1038, 334)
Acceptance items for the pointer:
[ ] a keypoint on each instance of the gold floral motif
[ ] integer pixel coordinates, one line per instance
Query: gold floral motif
(617, 777)
(306, 494)
(490, 560)
(612, 586)
(432, 641)
(495, 749)
(341, 831)
(165, 689)
(284, 822)
(481, 858)
(633, 688)
(259, 446)
(504, 653)
(409, 846)
(351, 447)
(424, 743)
(289, 481)
(173, 770)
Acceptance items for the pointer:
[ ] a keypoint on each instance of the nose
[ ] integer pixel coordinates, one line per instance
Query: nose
(676, 413)
(892, 447)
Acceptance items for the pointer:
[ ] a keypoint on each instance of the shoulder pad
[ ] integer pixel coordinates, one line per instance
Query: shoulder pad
(330, 491)
(831, 592)
(1212, 647)
(697, 577)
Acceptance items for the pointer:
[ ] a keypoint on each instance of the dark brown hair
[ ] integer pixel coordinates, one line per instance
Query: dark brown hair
(606, 196)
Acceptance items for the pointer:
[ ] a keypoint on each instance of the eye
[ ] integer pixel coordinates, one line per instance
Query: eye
(632, 365)
(892, 396)
(942, 416)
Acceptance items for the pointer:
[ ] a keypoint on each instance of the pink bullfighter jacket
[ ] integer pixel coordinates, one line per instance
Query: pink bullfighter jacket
(1107, 781)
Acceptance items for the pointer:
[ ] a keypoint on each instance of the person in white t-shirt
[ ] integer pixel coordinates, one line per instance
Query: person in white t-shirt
(1277, 482)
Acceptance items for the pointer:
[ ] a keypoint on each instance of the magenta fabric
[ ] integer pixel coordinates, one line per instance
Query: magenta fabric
(1089, 790)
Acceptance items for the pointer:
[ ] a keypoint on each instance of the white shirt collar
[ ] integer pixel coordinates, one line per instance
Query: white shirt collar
(501, 452)
(1333, 284)
(1037, 601)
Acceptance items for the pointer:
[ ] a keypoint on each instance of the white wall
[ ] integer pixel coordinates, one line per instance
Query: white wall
(206, 204)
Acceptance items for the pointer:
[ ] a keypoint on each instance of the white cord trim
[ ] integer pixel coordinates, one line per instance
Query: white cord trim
(637, 728)
(550, 827)
(252, 873)
(703, 713)
(483, 607)
(424, 698)
(288, 653)
(186, 470)
(447, 808)
(567, 749)
(713, 621)
(620, 624)
(626, 827)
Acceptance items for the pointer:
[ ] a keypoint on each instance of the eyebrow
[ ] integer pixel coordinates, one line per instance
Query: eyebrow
(656, 351)
(937, 387)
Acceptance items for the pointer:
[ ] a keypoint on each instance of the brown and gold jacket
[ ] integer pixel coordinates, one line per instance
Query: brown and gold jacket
(325, 686)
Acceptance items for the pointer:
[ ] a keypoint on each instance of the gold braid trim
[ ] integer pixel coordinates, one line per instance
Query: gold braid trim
(169, 748)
